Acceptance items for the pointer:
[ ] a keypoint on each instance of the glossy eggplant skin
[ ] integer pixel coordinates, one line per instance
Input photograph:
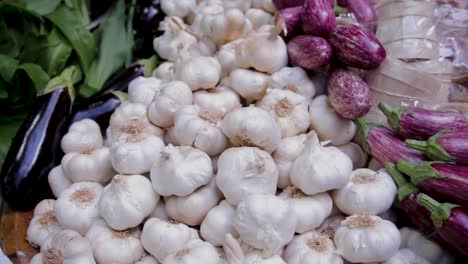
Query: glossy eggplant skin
(35, 150)
(121, 80)
(148, 14)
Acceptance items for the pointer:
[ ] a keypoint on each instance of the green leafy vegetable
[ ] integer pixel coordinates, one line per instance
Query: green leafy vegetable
(59, 51)
(40, 7)
(7, 67)
(37, 75)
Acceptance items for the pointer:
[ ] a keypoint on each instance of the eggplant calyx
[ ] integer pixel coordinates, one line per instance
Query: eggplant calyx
(67, 78)
(435, 151)
(405, 188)
(393, 114)
(364, 127)
(440, 212)
(121, 95)
(418, 172)
(148, 64)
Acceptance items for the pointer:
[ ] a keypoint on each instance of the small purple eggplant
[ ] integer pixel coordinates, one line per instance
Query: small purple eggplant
(418, 123)
(445, 182)
(364, 12)
(292, 20)
(309, 52)
(318, 17)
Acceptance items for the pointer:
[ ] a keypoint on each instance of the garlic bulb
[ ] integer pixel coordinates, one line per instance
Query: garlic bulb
(424, 247)
(148, 259)
(258, 17)
(294, 79)
(244, 171)
(200, 129)
(330, 225)
(193, 208)
(169, 137)
(328, 124)
(175, 237)
(159, 211)
(288, 150)
(107, 244)
(180, 171)
(93, 166)
(243, 5)
(251, 85)
(218, 223)
(217, 101)
(66, 246)
(200, 72)
(319, 168)
(77, 207)
(142, 89)
(235, 254)
(369, 192)
(310, 211)
(127, 200)
(311, 247)
(180, 8)
(83, 136)
(42, 225)
(44, 206)
(365, 238)
(226, 56)
(406, 256)
(267, 5)
(252, 126)
(58, 182)
(290, 110)
(172, 96)
(355, 153)
(165, 71)
(266, 222)
(194, 252)
(374, 164)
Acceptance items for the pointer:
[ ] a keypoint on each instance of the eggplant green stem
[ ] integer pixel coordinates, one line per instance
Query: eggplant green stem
(149, 65)
(68, 78)
(405, 188)
(435, 151)
(418, 172)
(363, 127)
(440, 212)
(393, 114)
(416, 144)
(339, 10)
(123, 96)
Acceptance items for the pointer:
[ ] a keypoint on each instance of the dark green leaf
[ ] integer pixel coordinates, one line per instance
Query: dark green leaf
(80, 9)
(9, 39)
(7, 67)
(38, 76)
(7, 132)
(37, 7)
(58, 53)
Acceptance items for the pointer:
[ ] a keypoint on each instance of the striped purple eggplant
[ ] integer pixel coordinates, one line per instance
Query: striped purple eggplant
(383, 144)
(444, 146)
(444, 182)
(418, 123)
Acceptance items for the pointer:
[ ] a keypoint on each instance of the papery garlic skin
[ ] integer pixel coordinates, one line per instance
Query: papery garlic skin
(218, 223)
(365, 238)
(267, 5)
(82, 136)
(252, 126)
(193, 208)
(266, 222)
(355, 153)
(107, 244)
(42, 225)
(217, 101)
(288, 150)
(319, 168)
(58, 182)
(180, 8)
(159, 211)
(93, 167)
(258, 17)
(311, 247)
(200, 72)
(77, 207)
(165, 71)
(244, 171)
(290, 110)
(175, 237)
(180, 171)
(424, 247)
(143, 89)
(369, 192)
(251, 85)
(127, 200)
(294, 79)
(226, 56)
(194, 252)
(328, 124)
(172, 96)
(406, 256)
(310, 211)
(148, 259)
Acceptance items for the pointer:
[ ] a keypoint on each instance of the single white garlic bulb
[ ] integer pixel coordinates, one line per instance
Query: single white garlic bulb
(200, 129)
(58, 182)
(165, 71)
(172, 96)
(252, 126)
(194, 252)
(369, 192)
(311, 247)
(288, 150)
(82, 136)
(127, 200)
(290, 110)
(42, 225)
(294, 79)
(258, 17)
(267, 5)
(218, 223)
(226, 56)
(66, 246)
(355, 153)
(235, 254)
(266, 222)
(93, 166)
(328, 124)
(319, 168)
(244, 171)
(251, 85)
(330, 225)
(180, 8)
(108, 244)
(159, 211)
(424, 247)
(180, 171)
(366, 238)
(174, 237)
(310, 211)
(192, 209)
(148, 259)
(217, 101)
(143, 89)
(77, 207)
(201, 72)
(406, 256)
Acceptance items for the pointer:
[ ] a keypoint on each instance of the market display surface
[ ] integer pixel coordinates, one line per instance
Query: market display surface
(244, 132)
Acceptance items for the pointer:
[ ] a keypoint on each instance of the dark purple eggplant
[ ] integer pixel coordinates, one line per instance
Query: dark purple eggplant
(444, 146)
(383, 144)
(364, 12)
(444, 182)
(121, 80)
(309, 52)
(292, 20)
(418, 123)
(148, 15)
(280, 4)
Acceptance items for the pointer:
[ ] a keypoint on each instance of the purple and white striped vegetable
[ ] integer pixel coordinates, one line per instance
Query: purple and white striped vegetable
(383, 144)
(292, 20)
(318, 18)
(418, 123)
(309, 52)
(444, 182)
(364, 12)
(444, 146)
(451, 222)
(281, 4)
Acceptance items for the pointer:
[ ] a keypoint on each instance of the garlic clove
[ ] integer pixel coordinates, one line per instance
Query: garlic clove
(217, 101)
(42, 225)
(58, 182)
(165, 71)
(226, 56)
(82, 136)
(218, 223)
(94, 166)
(199, 72)
(288, 150)
(251, 85)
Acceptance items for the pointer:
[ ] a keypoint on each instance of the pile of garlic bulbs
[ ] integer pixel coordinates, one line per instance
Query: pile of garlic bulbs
(222, 156)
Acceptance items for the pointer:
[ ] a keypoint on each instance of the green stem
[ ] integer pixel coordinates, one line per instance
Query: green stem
(393, 114)
(440, 212)
(435, 151)
(121, 95)
(405, 188)
(339, 10)
(363, 127)
(68, 78)
(416, 144)
(149, 65)
(418, 172)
